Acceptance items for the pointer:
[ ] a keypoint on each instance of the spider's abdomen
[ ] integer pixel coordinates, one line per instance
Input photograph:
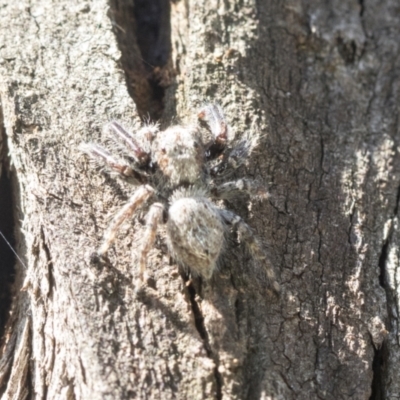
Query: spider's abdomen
(195, 234)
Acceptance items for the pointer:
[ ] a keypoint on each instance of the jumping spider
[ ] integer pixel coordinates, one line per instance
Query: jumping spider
(182, 173)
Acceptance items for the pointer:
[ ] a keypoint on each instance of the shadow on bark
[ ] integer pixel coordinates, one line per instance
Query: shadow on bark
(313, 135)
(143, 33)
(7, 262)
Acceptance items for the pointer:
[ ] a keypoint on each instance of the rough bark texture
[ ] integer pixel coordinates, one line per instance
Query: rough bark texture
(321, 82)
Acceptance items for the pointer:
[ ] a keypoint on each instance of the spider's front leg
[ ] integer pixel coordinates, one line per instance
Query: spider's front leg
(247, 236)
(154, 216)
(141, 195)
(230, 190)
(147, 134)
(237, 157)
(213, 115)
(118, 165)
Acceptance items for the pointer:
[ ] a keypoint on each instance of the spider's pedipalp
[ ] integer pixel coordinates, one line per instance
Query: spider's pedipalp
(118, 165)
(141, 156)
(141, 195)
(230, 190)
(154, 216)
(247, 236)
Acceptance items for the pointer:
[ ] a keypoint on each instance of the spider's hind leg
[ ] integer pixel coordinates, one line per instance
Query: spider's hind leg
(141, 195)
(247, 236)
(154, 216)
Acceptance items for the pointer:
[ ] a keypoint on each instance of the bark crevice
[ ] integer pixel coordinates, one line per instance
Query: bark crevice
(7, 239)
(201, 328)
(382, 262)
(378, 374)
(362, 7)
(143, 34)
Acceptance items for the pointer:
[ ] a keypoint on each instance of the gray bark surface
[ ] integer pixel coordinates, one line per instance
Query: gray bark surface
(321, 82)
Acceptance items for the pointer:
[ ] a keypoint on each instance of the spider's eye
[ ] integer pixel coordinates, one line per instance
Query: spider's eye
(195, 144)
(163, 151)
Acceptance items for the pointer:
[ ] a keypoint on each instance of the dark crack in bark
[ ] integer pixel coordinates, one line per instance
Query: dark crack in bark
(378, 368)
(385, 247)
(200, 326)
(362, 7)
(396, 208)
(143, 33)
(381, 354)
(50, 266)
(7, 243)
(382, 263)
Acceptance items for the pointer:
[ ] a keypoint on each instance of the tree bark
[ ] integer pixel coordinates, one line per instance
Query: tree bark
(321, 82)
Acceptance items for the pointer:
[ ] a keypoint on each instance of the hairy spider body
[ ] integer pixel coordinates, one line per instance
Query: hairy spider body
(182, 174)
(179, 153)
(195, 232)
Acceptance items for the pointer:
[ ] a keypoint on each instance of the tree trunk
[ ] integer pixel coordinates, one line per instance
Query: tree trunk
(321, 82)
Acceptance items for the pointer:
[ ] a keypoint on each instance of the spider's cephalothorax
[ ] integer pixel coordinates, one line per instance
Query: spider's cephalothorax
(180, 175)
(179, 154)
